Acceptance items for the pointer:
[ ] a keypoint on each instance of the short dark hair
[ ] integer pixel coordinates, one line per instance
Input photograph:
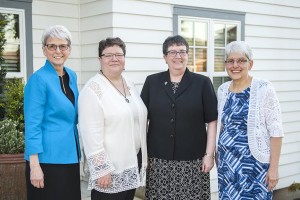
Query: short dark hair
(109, 42)
(174, 40)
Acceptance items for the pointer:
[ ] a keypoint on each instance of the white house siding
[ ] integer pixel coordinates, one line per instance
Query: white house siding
(272, 28)
(56, 12)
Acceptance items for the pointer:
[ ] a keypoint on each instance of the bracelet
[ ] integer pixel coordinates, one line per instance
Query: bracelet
(208, 155)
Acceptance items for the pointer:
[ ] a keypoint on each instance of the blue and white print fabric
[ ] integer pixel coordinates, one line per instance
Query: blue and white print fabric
(240, 175)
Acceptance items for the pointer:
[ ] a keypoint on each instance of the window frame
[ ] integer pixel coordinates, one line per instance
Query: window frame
(22, 39)
(212, 16)
(26, 7)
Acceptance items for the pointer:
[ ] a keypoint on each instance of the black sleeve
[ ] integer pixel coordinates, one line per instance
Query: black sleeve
(209, 102)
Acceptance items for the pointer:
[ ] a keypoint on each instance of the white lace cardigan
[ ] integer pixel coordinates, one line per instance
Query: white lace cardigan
(106, 128)
(264, 117)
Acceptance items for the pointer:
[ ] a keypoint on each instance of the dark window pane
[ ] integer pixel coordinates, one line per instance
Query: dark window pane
(219, 60)
(11, 53)
(217, 81)
(219, 35)
(201, 60)
(231, 33)
(200, 34)
(190, 63)
(187, 31)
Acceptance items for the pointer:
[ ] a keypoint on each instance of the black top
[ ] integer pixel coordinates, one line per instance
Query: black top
(177, 129)
(65, 87)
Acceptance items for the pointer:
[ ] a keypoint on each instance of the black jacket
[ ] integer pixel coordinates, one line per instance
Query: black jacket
(177, 129)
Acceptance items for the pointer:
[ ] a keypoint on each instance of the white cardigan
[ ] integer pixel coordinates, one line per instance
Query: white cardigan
(264, 117)
(106, 125)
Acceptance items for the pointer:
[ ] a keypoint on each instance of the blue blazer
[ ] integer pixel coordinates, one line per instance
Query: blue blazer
(51, 118)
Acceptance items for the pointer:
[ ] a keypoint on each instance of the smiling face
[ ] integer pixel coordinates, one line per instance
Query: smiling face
(239, 67)
(178, 61)
(56, 57)
(112, 60)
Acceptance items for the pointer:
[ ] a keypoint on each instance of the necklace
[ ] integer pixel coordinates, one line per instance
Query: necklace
(124, 95)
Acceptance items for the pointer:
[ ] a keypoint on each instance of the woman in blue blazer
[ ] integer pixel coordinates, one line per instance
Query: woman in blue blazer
(52, 150)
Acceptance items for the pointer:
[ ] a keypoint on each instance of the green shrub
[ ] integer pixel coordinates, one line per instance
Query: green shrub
(11, 140)
(14, 93)
(294, 187)
(2, 97)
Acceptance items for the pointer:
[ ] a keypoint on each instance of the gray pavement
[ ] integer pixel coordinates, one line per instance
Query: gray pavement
(86, 194)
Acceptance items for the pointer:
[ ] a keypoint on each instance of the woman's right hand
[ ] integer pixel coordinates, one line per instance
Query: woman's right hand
(36, 172)
(36, 176)
(104, 181)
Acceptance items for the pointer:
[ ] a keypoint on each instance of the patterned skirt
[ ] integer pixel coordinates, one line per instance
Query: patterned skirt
(181, 180)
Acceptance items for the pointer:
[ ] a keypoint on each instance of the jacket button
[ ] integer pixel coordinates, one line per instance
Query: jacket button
(172, 120)
(173, 105)
(172, 136)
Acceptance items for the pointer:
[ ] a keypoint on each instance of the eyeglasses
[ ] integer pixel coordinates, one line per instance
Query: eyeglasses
(240, 62)
(53, 47)
(110, 55)
(173, 53)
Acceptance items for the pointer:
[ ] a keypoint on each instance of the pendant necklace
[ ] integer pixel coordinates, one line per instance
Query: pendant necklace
(124, 95)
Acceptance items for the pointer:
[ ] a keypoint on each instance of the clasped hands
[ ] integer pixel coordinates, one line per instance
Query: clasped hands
(104, 181)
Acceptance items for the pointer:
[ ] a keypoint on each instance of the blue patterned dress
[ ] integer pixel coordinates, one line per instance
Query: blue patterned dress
(240, 175)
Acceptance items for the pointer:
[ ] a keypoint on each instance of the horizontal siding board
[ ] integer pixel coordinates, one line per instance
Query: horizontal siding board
(142, 36)
(273, 43)
(288, 96)
(286, 85)
(277, 64)
(89, 51)
(291, 138)
(273, 21)
(291, 3)
(90, 64)
(94, 36)
(290, 148)
(144, 51)
(145, 64)
(272, 32)
(283, 10)
(37, 36)
(96, 22)
(277, 75)
(289, 159)
(136, 77)
(285, 181)
(144, 8)
(142, 22)
(290, 107)
(94, 8)
(292, 116)
(62, 9)
(61, 1)
(291, 127)
(41, 22)
(261, 53)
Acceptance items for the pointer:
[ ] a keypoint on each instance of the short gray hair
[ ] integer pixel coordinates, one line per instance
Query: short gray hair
(238, 47)
(56, 31)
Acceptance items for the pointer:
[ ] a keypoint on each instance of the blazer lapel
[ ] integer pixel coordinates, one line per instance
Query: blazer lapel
(166, 85)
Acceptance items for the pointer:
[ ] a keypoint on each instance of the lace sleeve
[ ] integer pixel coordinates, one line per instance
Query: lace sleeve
(272, 113)
(99, 165)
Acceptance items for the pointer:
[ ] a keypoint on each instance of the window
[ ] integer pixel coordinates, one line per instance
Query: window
(14, 48)
(207, 33)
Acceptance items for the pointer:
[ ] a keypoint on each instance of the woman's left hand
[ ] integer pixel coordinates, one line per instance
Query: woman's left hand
(207, 163)
(272, 178)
